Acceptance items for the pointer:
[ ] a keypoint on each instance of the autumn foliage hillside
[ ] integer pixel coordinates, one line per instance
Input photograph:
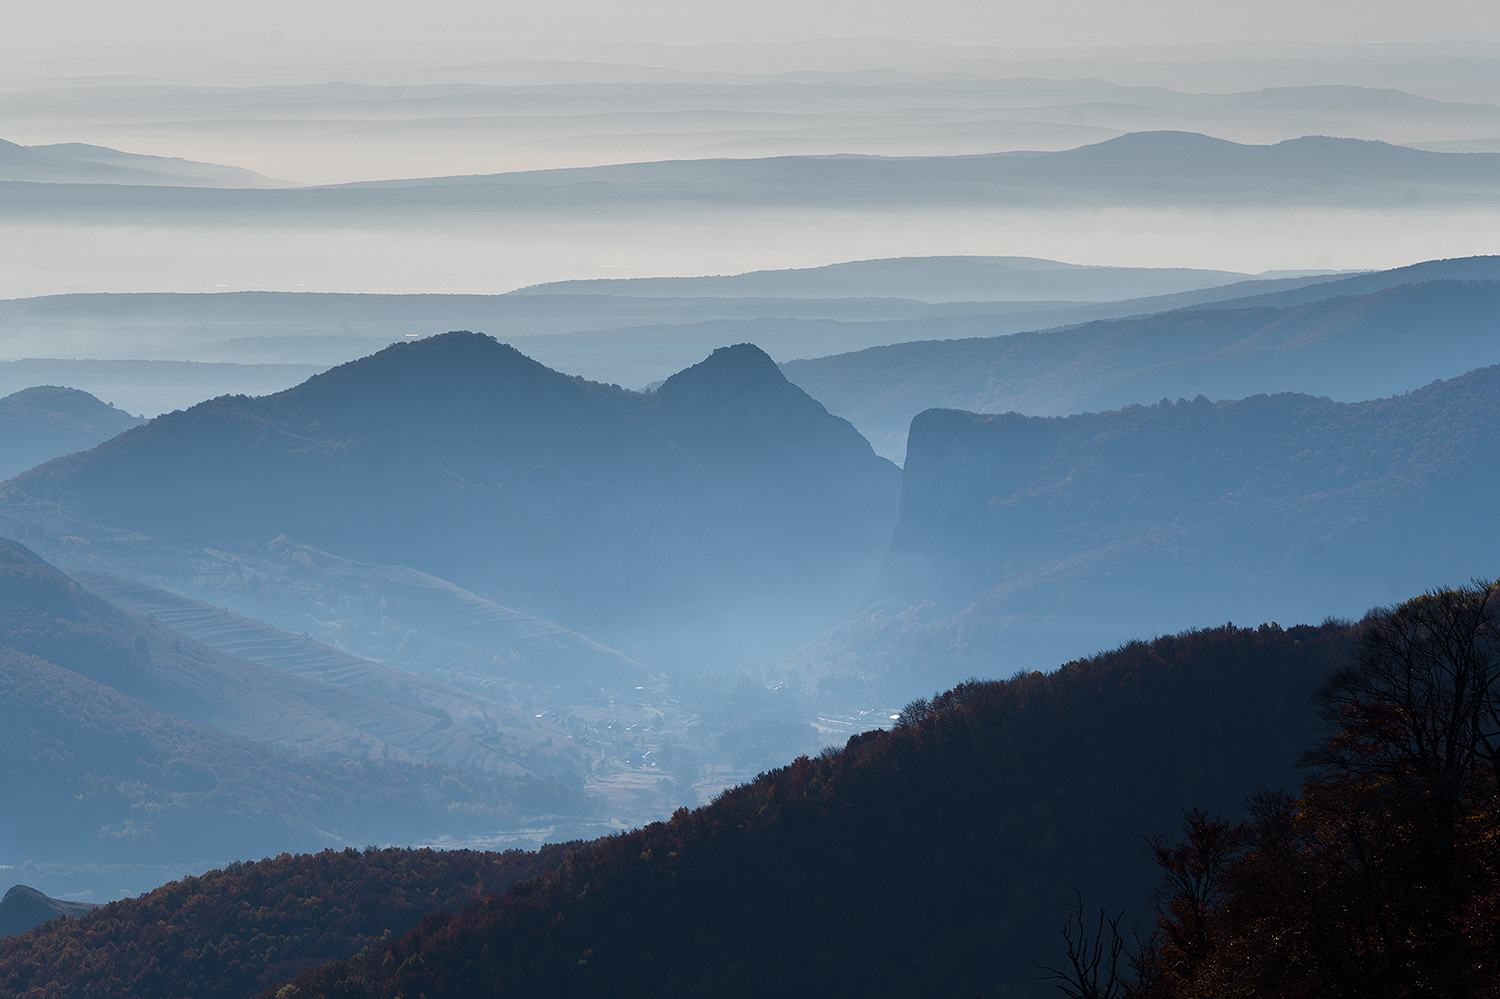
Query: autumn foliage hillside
(226, 934)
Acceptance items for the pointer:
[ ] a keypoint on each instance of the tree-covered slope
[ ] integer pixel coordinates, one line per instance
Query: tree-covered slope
(928, 860)
(229, 933)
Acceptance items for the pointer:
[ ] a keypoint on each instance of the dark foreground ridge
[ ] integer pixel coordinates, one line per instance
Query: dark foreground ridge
(923, 861)
(232, 931)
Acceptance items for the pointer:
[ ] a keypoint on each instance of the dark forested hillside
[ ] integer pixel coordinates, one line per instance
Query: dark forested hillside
(41, 423)
(231, 932)
(1349, 346)
(459, 456)
(928, 860)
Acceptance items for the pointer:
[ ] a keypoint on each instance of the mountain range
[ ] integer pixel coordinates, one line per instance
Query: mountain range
(535, 114)
(1351, 339)
(1140, 169)
(163, 351)
(457, 456)
(925, 279)
(80, 163)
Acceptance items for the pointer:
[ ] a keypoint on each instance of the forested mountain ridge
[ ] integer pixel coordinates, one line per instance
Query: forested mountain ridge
(1350, 347)
(988, 496)
(458, 456)
(926, 860)
(1023, 540)
(229, 933)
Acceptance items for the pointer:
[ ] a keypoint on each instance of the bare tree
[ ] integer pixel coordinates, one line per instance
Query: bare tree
(1422, 695)
(1087, 961)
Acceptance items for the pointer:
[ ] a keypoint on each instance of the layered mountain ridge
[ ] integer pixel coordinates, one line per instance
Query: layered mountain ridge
(1352, 339)
(458, 456)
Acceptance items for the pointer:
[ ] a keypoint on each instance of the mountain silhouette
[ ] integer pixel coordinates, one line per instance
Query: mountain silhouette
(610, 511)
(81, 163)
(1346, 342)
(37, 424)
(24, 908)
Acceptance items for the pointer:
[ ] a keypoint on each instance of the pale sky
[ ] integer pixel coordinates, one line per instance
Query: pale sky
(468, 29)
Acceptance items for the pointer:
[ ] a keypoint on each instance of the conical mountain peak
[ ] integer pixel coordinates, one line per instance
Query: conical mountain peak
(727, 373)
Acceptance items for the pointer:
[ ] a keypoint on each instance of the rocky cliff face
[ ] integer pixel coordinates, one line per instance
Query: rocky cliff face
(1023, 541)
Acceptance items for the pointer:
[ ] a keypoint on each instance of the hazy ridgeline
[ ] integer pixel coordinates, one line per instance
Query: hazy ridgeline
(1148, 198)
(1350, 339)
(152, 353)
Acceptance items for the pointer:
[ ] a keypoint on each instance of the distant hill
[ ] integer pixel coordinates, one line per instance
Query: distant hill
(1139, 168)
(80, 163)
(153, 386)
(254, 343)
(926, 279)
(1482, 268)
(24, 908)
(930, 860)
(37, 424)
(103, 765)
(130, 742)
(1027, 539)
(579, 502)
(1349, 347)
